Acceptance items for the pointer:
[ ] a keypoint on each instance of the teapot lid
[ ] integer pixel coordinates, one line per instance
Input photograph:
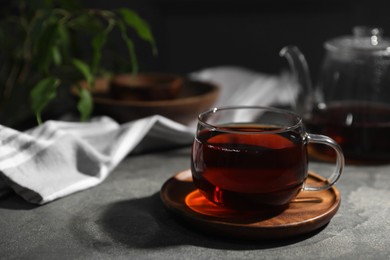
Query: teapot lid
(363, 39)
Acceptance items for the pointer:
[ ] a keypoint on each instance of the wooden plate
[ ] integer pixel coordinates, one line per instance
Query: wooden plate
(310, 211)
(193, 98)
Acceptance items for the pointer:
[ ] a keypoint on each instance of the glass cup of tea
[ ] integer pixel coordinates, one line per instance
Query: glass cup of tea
(251, 157)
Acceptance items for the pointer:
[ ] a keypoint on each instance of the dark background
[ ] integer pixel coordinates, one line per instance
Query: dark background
(196, 34)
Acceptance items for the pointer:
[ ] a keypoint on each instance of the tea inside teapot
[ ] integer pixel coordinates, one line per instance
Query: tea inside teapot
(351, 100)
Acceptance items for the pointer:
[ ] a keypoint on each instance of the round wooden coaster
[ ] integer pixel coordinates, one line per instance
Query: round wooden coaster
(308, 212)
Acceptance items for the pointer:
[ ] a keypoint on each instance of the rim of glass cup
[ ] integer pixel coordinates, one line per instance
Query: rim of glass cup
(280, 129)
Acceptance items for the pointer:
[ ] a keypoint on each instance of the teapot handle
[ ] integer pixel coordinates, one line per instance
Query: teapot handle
(300, 70)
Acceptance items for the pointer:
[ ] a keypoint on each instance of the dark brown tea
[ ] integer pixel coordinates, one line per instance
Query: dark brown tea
(362, 131)
(249, 169)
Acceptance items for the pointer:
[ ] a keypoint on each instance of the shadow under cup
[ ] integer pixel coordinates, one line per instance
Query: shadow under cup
(253, 157)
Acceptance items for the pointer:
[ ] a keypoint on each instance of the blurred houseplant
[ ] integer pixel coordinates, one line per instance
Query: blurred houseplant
(49, 45)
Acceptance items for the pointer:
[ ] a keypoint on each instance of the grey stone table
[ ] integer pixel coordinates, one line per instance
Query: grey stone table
(124, 218)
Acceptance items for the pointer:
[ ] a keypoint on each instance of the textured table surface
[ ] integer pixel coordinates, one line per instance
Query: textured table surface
(124, 218)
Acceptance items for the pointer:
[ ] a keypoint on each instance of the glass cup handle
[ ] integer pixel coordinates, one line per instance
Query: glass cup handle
(321, 139)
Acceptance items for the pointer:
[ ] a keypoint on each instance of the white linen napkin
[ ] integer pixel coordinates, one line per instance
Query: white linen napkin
(59, 158)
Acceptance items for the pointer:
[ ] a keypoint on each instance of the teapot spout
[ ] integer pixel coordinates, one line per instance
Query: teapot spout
(300, 70)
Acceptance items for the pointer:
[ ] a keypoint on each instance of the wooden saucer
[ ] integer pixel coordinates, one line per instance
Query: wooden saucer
(308, 212)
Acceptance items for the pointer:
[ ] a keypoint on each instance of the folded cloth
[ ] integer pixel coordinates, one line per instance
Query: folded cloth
(59, 158)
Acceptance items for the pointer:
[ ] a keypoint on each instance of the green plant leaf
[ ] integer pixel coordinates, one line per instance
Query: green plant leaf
(64, 43)
(41, 94)
(130, 48)
(142, 28)
(85, 104)
(97, 45)
(85, 23)
(56, 54)
(85, 70)
(47, 42)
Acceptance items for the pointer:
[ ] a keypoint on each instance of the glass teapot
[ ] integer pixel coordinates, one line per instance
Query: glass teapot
(351, 100)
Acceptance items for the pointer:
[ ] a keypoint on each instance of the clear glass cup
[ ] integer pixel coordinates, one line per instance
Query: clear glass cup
(251, 157)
